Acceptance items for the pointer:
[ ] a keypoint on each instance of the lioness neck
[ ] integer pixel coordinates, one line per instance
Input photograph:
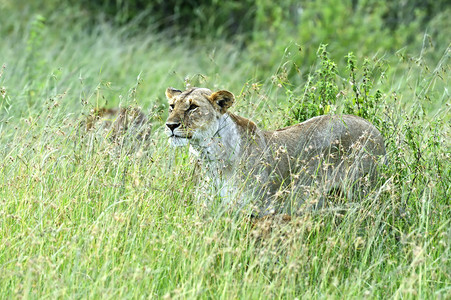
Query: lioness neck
(224, 146)
(229, 134)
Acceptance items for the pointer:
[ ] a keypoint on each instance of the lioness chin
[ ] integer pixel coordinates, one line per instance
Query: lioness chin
(280, 169)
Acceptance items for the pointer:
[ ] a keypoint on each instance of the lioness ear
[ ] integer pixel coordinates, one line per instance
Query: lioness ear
(223, 99)
(171, 93)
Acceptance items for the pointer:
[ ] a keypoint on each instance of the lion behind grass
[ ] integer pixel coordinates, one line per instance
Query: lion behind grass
(119, 123)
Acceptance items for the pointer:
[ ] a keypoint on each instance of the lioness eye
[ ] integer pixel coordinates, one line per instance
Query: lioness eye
(193, 107)
(171, 106)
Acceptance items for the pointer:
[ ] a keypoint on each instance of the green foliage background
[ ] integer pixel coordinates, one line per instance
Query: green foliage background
(83, 217)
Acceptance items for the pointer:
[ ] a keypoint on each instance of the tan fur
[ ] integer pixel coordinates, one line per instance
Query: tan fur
(119, 121)
(281, 168)
(244, 123)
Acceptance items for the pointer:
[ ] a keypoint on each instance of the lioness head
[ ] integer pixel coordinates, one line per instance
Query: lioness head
(194, 115)
(119, 121)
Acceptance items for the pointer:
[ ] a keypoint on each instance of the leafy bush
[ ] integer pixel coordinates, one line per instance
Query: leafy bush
(326, 91)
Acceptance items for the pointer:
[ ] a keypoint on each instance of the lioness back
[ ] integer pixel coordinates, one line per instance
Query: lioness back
(334, 152)
(308, 160)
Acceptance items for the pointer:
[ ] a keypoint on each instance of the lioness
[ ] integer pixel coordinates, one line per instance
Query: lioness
(118, 122)
(282, 168)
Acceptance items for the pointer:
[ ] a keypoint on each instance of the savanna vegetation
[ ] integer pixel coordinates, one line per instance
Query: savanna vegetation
(85, 215)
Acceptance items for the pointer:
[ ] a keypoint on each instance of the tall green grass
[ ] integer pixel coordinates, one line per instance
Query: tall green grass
(84, 217)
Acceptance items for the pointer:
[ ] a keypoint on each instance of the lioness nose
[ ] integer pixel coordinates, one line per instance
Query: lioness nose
(172, 126)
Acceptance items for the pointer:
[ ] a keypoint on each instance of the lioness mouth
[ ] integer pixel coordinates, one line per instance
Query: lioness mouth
(179, 136)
